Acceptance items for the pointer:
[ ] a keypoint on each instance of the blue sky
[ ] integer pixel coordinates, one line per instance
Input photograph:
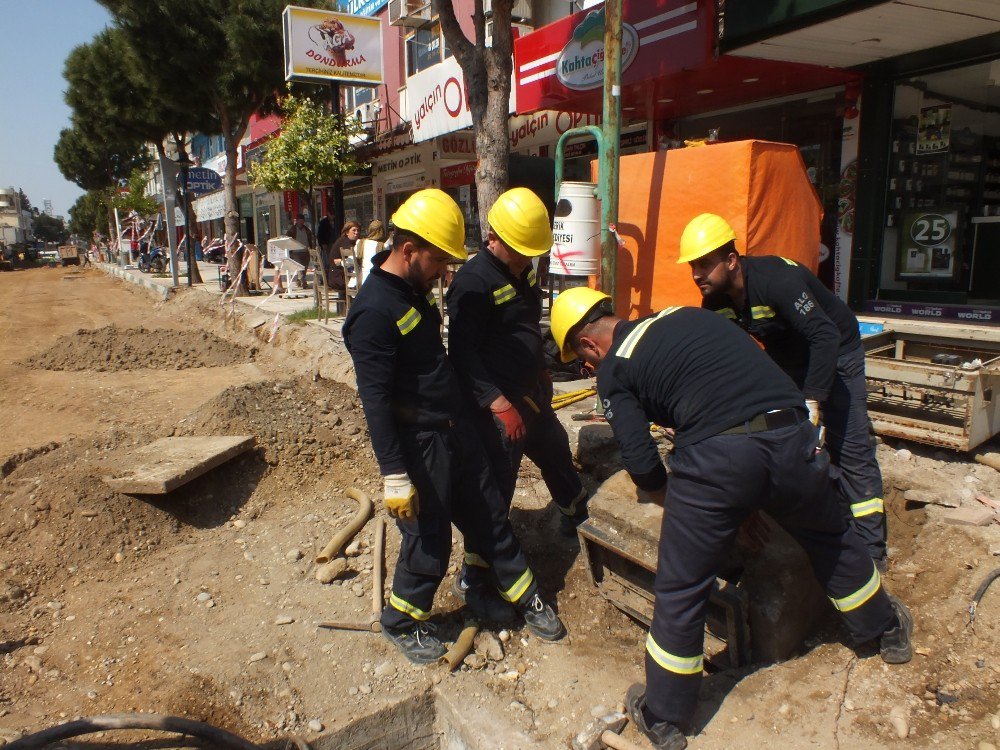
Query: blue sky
(36, 38)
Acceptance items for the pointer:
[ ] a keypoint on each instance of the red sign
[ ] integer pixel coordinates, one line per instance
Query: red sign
(561, 66)
(459, 174)
(290, 198)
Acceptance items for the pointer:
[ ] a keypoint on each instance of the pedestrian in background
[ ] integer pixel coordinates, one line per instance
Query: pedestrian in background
(342, 248)
(304, 236)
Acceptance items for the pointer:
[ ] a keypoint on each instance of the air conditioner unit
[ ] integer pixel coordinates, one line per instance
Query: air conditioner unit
(411, 13)
(367, 113)
(520, 13)
(520, 29)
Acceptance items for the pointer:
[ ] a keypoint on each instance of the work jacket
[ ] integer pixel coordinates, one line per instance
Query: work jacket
(801, 324)
(688, 369)
(493, 334)
(405, 379)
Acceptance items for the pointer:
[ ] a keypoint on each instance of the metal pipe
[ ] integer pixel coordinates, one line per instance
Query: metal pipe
(462, 646)
(612, 137)
(342, 537)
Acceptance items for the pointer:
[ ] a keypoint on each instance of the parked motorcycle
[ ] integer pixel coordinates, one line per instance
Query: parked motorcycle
(154, 261)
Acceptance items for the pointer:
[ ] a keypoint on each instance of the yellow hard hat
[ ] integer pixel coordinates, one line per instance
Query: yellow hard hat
(568, 310)
(433, 215)
(703, 234)
(519, 218)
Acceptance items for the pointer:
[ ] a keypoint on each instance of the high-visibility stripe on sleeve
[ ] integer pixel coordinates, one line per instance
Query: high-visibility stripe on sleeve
(409, 321)
(673, 662)
(632, 340)
(503, 294)
(761, 311)
(406, 608)
(431, 299)
(532, 280)
(789, 262)
(867, 507)
(471, 558)
(859, 597)
(727, 312)
(516, 591)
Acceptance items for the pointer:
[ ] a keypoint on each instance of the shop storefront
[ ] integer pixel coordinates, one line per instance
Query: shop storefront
(270, 220)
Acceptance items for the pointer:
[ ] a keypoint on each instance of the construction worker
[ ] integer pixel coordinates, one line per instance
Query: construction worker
(495, 343)
(743, 442)
(433, 466)
(813, 336)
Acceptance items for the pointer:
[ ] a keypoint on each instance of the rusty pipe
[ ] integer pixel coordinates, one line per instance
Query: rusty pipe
(461, 647)
(346, 534)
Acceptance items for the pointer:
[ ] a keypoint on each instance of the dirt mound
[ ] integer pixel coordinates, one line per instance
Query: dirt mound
(112, 349)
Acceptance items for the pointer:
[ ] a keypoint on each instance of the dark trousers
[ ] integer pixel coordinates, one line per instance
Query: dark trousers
(851, 442)
(449, 470)
(713, 487)
(545, 443)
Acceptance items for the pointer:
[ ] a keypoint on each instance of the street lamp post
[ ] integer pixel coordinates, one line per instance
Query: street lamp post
(184, 163)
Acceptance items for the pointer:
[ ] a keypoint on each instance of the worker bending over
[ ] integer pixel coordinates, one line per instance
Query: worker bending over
(813, 336)
(433, 466)
(495, 343)
(743, 442)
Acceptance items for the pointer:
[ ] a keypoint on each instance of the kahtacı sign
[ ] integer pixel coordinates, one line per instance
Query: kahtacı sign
(327, 46)
(580, 65)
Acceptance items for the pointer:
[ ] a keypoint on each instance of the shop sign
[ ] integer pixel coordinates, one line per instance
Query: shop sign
(928, 245)
(246, 205)
(201, 180)
(401, 163)
(943, 312)
(362, 7)
(557, 62)
(438, 102)
(405, 184)
(326, 46)
(457, 146)
(210, 207)
(580, 65)
(458, 174)
(290, 200)
(265, 200)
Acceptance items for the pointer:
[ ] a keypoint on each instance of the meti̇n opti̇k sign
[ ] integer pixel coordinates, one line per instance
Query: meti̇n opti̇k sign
(327, 46)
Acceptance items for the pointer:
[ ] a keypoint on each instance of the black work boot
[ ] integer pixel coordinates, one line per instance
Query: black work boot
(573, 516)
(541, 619)
(894, 645)
(482, 599)
(661, 734)
(418, 643)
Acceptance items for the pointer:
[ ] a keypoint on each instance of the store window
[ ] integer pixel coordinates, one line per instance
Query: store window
(942, 220)
(423, 49)
(355, 96)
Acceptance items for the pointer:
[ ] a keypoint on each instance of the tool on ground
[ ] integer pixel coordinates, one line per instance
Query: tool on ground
(589, 418)
(372, 626)
(604, 732)
(345, 535)
(378, 569)
(461, 647)
(214, 736)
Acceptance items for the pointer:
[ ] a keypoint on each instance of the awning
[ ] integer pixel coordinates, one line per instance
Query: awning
(859, 36)
(669, 65)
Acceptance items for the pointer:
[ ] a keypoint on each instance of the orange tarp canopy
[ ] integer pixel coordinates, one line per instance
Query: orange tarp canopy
(760, 188)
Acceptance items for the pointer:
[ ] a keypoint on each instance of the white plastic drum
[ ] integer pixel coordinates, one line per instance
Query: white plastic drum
(576, 231)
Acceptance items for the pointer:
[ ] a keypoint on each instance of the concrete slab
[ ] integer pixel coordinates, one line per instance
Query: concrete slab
(166, 464)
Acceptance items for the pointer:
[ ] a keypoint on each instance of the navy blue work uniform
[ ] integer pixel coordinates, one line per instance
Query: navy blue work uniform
(813, 336)
(743, 442)
(410, 396)
(495, 343)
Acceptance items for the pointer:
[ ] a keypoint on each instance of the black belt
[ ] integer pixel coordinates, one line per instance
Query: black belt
(771, 420)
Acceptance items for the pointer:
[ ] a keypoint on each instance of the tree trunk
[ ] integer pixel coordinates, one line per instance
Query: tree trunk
(169, 191)
(231, 134)
(487, 72)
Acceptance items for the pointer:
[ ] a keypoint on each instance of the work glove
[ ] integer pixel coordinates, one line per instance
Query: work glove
(813, 408)
(510, 421)
(400, 496)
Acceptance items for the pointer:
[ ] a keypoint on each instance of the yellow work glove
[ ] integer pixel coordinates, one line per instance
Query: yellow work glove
(813, 408)
(400, 497)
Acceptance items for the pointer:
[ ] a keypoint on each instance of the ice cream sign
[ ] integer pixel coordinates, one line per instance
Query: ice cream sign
(580, 65)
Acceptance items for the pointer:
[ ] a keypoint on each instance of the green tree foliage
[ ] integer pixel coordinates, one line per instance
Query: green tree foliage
(134, 197)
(88, 214)
(49, 228)
(313, 148)
(93, 161)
